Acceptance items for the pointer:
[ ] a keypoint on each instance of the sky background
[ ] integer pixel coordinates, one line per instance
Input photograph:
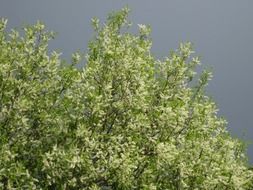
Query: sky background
(221, 31)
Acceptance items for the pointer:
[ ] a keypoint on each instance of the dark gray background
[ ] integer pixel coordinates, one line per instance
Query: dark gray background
(221, 31)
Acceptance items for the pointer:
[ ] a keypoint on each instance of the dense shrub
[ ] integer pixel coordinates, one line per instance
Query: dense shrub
(123, 121)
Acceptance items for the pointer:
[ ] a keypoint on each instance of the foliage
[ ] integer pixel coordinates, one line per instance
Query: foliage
(124, 121)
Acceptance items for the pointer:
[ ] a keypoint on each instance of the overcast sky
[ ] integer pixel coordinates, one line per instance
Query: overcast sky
(221, 31)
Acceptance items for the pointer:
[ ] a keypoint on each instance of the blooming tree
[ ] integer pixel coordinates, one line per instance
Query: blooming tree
(123, 121)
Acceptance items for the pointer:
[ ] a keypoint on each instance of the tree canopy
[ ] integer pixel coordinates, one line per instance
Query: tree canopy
(125, 120)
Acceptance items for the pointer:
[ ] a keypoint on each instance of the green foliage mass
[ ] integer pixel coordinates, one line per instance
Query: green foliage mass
(124, 121)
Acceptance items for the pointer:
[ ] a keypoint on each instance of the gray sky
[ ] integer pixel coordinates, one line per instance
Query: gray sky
(220, 30)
